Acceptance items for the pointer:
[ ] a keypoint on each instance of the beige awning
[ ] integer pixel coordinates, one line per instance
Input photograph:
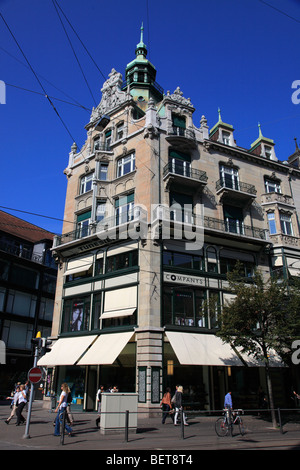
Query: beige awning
(79, 265)
(202, 349)
(106, 349)
(122, 299)
(66, 351)
(118, 313)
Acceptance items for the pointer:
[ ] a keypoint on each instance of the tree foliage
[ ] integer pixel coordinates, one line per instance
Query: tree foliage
(263, 317)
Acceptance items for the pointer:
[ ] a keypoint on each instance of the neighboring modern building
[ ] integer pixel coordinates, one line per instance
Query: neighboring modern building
(132, 289)
(27, 289)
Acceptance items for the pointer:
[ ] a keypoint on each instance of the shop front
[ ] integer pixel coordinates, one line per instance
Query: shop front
(86, 362)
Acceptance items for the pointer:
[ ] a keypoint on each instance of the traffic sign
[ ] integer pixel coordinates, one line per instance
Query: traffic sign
(35, 375)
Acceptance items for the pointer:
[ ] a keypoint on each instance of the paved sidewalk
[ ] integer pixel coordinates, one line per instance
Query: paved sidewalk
(151, 435)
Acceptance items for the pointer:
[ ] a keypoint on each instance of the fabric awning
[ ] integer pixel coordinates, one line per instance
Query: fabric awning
(202, 349)
(123, 299)
(78, 265)
(66, 351)
(106, 349)
(118, 313)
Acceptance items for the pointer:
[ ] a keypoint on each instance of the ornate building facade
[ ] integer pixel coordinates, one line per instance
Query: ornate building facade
(162, 208)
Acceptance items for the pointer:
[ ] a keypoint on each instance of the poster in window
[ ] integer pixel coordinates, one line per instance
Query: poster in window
(77, 316)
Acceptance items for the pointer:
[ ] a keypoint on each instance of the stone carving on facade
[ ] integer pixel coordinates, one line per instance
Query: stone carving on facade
(177, 97)
(150, 131)
(112, 95)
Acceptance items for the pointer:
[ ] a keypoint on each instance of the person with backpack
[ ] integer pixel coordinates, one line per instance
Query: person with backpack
(61, 409)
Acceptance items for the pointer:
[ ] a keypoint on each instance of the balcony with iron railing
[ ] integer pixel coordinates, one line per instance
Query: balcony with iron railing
(129, 224)
(234, 228)
(231, 189)
(182, 171)
(177, 135)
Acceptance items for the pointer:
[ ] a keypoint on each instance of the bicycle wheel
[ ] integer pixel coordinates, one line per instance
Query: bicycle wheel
(221, 427)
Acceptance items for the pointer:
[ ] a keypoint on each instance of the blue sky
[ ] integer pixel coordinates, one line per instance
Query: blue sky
(239, 55)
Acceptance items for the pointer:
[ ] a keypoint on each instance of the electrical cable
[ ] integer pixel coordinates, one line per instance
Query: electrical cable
(71, 45)
(280, 11)
(52, 97)
(45, 79)
(80, 40)
(38, 215)
(37, 78)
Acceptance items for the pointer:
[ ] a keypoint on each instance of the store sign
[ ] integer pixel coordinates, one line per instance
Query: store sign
(183, 279)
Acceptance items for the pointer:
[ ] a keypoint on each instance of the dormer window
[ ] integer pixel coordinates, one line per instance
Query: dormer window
(226, 137)
(268, 152)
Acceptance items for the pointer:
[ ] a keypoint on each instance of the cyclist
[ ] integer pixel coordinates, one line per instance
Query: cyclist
(228, 401)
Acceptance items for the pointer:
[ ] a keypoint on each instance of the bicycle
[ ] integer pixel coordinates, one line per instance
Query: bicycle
(224, 425)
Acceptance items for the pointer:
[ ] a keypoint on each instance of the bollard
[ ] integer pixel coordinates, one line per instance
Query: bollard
(181, 423)
(62, 418)
(279, 420)
(126, 424)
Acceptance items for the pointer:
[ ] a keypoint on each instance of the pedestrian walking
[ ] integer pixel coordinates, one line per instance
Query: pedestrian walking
(22, 400)
(99, 393)
(14, 404)
(178, 405)
(61, 409)
(166, 405)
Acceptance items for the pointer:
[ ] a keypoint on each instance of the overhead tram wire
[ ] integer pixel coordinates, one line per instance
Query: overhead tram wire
(75, 102)
(74, 31)
(71, 45)
(37, 78)
(51, 97)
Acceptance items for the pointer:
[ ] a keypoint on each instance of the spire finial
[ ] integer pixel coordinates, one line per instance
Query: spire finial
(141, 48)
(296, 143)
(219, 112)
(259, 129)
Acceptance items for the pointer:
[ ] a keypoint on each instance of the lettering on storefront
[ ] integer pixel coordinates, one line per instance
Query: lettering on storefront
(182, 279)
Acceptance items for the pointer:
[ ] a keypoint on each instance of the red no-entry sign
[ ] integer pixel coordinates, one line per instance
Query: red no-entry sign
(35, 375)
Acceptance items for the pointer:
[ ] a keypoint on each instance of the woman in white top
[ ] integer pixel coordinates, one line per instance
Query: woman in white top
(61, 408)
(22, 400)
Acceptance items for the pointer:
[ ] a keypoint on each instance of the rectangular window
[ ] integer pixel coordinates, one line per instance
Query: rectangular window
(229, 177)
(268, 152)
(96, 312)
(126, 165)
(184, 307)
(120, 130)
(233, 217)
(181, 207)
(226, 137)
(101, 210)
(286, 224)
(107, 140)
(179, 124)
(83, 224)
(76, 314)
(103, 171)
(272, 223)
(272, 186)
(124, 209)
(125, 260)
(86, 183)
(22, 304)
